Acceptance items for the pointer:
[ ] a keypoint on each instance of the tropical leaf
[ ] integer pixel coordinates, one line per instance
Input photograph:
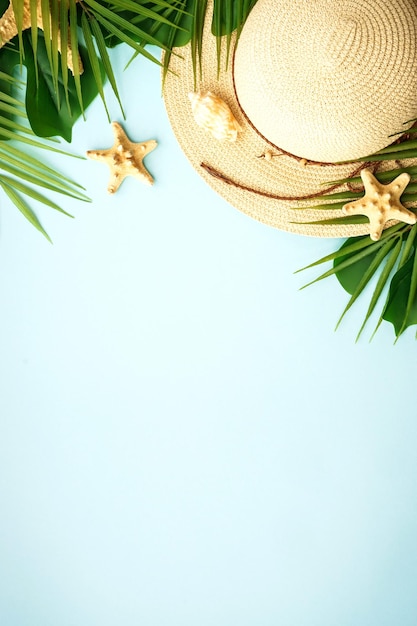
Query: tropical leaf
(159, 20)
(18, 12)
(63, 105)
(394, 259)
(175, 34)
(32, 193)
(197, 28)
(94, 59)
(104, 57)
(172, 37)
(386, 272)
(124, 31)
(20, 172)
(75, 54)
(229, 17)
(336, 200)
(23, 207)
(401, 308)
(355, 244)
(17, 191)
(118, 19)
(350, 275)
(37, 176)
(346, 257)
(9, 86)
(104, 23)
(356, 277)
(67, 63)
(58, 88)
(33, 170)
(64, 30)
(383, 177)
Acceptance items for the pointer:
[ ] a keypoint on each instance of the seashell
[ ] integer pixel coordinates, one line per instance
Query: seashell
(214, 115)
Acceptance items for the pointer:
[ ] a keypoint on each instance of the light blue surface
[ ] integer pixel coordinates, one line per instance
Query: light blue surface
(184, 440)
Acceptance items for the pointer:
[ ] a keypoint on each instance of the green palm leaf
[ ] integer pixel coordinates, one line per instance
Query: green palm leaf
(23, 207)
(58, 87)
(94, 59)
(104, 56)
(227, 18)
(27, 173)
(18, 12)
(32, 193)
(64, 29)
(366, 274)
(382, 281)
(75, 52)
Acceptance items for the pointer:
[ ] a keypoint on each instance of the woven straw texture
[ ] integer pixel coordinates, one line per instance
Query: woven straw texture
(241, 161)
(333, 79)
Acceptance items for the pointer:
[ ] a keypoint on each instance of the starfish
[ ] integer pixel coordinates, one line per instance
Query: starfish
(125, 158)
(381, 203)
(9, 29)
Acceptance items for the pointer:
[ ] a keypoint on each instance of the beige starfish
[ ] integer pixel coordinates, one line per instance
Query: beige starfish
(381, 203)
(125, 158)
(8, 28)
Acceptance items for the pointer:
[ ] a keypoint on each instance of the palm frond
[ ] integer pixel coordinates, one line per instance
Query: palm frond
(22, 174)
(33, 29)
(18, 10)
(64, 47)
(172, 37)
(23, 207)
(94, 59)
(200, 10)
(73, 38)
(64, 29)
(104, 56)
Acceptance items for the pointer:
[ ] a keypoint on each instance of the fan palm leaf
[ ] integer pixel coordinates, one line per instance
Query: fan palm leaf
(64, 46)
(21, 172)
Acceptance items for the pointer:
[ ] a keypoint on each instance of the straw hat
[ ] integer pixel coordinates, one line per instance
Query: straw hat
(311, 83)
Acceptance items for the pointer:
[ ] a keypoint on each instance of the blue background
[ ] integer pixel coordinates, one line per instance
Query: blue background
(184, 439)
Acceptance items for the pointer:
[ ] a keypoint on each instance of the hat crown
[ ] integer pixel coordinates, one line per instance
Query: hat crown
(328, 81)
(333, 48)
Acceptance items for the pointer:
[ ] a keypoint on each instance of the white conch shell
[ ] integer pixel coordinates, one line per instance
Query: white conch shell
(214, 115)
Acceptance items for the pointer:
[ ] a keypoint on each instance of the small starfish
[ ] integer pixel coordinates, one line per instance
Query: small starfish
(381, 203)
(125, 158)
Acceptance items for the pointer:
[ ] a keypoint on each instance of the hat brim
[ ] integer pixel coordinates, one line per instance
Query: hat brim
(242, 161)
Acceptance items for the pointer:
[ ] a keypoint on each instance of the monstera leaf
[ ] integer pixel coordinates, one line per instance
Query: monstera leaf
(63, 105)
(401, 306)
(59, 88)
(393, 259)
